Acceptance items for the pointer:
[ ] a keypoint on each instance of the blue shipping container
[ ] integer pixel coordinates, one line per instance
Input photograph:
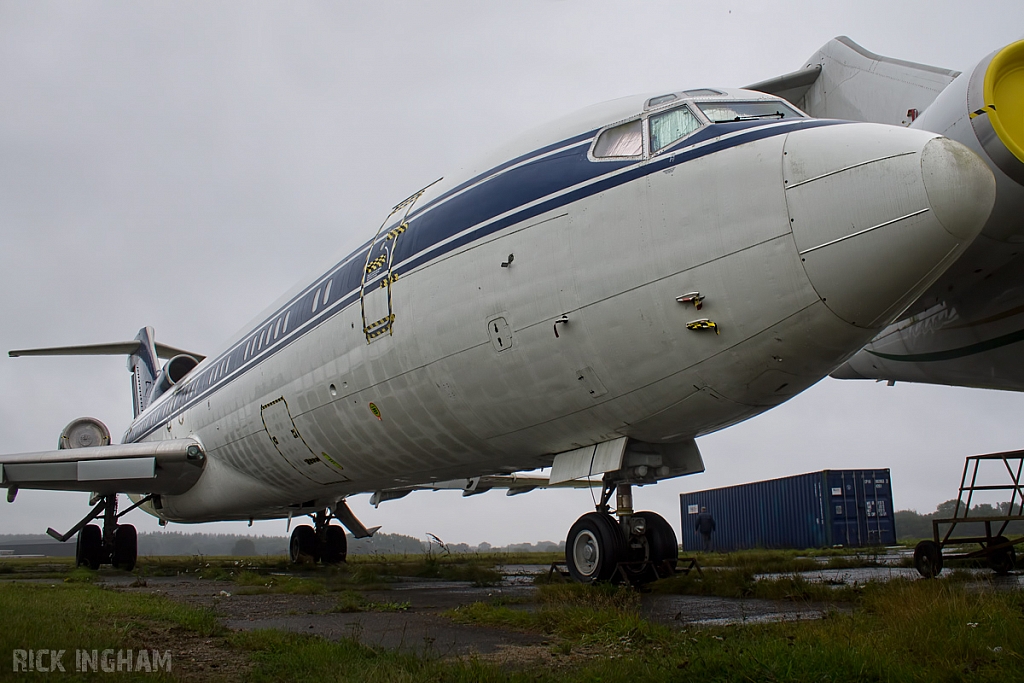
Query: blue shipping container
(851, 508)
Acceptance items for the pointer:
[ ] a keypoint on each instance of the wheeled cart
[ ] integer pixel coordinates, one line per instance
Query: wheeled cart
(985, 474)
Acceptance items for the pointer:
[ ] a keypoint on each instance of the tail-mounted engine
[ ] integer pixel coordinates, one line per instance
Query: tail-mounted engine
(982, 109)
(173, 372)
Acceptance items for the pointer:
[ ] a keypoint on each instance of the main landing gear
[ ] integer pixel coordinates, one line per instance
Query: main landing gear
(638, 548)
(323, 542)
(116, 544)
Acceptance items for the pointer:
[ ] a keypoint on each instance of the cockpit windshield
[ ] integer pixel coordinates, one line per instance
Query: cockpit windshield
(673, 125)
(723, 112)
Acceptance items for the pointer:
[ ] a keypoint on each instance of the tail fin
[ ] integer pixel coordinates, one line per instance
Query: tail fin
(143, 353)
(144, 366)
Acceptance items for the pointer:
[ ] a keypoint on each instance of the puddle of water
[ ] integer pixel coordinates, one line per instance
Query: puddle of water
(684, 610)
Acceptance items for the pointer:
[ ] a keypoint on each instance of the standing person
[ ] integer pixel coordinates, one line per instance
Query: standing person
(705, 525)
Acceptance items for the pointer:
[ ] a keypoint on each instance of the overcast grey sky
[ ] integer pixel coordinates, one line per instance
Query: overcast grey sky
(181, 164)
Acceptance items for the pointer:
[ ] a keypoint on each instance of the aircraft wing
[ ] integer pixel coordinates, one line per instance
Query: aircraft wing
(162, 467)
(845, 81)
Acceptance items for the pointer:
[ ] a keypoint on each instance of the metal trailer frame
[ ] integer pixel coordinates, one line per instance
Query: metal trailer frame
(996, 548)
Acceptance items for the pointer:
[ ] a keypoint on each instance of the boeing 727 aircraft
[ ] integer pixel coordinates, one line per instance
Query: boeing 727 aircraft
(590, 299)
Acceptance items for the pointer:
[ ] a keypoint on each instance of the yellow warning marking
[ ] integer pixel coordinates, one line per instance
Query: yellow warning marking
(376, 263)
(703, 324)
(376, 411)
(392, 234)
(331, 460)
(984, 110)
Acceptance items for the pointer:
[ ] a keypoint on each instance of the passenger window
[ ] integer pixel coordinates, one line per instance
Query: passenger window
(626, 140)
(671, 126)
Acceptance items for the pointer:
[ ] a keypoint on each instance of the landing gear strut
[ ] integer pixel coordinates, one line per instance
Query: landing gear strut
(116, 544)
(640, 547)
(323, 542)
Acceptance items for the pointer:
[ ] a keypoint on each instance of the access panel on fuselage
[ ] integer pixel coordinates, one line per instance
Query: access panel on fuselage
(283, 433)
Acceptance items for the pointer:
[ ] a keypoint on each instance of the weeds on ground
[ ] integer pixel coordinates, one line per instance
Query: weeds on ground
(351, 601)
(253, 583)
(900, 630)
(587, 615)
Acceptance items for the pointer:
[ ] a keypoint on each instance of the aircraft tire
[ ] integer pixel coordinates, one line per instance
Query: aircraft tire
(594, 547)
(1002, 562)
(89, 547)
(335, 548)
(126, 547)
(302, 547)
(663, 547)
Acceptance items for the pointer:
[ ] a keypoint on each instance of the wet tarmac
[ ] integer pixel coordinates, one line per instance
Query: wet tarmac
(408, 614)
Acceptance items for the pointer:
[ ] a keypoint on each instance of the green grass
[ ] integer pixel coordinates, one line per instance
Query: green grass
(73, 616)
(303, 659)
(743, 583)
(898, 631)
(601, 615)
(948, 629)
(351, 601)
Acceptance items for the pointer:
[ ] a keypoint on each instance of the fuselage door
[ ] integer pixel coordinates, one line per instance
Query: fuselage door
(283, 433)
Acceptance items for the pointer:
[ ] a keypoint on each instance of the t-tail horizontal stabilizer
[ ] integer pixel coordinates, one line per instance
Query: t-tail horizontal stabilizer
(148, 382)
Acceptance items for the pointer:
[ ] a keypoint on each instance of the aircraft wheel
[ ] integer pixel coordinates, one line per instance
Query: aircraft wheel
(126, 547)
(661, 541)
(928, 559)
(1002, 562)
(302, 547)
(89, 547)
(650, 552)
(335, 548)
(594, 547)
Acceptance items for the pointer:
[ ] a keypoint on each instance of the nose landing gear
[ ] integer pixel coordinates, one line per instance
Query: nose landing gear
(638, 548)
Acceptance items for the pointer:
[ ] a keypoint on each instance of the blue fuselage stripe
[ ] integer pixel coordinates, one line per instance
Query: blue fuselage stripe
(506, 195)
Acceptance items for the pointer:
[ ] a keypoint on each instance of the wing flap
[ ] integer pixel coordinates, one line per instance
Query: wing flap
(162, 467)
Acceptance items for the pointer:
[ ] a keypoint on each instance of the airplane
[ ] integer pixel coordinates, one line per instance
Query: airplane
(590, 298)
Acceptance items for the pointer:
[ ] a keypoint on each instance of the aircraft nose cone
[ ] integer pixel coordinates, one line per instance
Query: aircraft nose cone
(961, 189)
(878, 213)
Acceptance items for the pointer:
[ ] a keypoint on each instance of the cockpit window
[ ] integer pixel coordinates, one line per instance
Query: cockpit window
(702, 92)
(722, 112)
(626, 140)
(671, 126)
(661, 99)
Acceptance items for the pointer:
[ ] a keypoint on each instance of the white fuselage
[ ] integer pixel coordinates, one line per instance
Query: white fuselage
(529, 307)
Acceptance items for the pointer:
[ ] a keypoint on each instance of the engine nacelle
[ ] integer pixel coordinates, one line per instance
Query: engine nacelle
(85, 432)
(982, 108)
(173, 372)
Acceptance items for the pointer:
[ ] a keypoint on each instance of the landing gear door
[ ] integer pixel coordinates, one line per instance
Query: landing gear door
(379, 274)
(283, 433)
